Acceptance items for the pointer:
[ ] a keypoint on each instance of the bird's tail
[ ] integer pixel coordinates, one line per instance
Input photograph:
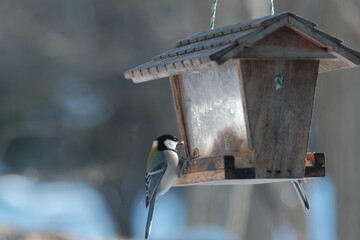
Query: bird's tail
(302, 195)
(149, 218)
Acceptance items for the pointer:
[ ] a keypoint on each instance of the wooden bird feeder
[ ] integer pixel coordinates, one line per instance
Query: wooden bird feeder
(244, 96)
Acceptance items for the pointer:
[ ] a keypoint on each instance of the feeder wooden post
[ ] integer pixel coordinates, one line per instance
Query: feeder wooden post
(279, 116)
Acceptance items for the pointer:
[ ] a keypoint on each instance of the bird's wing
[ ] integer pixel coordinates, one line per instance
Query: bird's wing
(153, 178)
(152, 181)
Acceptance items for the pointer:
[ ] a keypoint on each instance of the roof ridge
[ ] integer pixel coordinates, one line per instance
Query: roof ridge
(236, 27)
(213, 47)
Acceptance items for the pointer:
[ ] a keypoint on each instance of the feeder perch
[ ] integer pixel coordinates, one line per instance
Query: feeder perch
(244, 96)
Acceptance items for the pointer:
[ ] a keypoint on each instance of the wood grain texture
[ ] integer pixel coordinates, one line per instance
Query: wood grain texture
(222, 170)
(346, 57)
(285, 43)
(279, 120)
(205, 164)
(223, 56)
(204, 44)
(181, 120)
(254, 23)
(200, 177)
(249, 40)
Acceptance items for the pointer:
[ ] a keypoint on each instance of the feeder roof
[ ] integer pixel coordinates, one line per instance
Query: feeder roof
(214, 47)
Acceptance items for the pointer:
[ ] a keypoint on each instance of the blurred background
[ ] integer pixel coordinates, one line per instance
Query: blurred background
(75, 134)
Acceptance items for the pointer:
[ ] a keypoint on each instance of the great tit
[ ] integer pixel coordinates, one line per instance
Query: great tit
(161, 172)
(302, 194)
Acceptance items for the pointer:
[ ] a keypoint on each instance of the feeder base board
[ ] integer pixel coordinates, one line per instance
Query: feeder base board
(222, 171)
(239, 181)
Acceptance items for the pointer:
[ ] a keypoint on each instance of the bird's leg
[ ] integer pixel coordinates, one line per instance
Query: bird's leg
(183, 163)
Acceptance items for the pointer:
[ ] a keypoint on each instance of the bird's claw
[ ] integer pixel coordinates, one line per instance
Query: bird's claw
(185, 161)
(183, 164)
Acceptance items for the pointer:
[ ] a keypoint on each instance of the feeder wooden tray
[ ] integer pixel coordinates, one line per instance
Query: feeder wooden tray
(214, 170)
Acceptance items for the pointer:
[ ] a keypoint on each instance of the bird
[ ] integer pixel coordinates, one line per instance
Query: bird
(161, 172)
(302, 194)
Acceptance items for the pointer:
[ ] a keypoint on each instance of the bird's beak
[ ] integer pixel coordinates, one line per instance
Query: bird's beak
(180, 143)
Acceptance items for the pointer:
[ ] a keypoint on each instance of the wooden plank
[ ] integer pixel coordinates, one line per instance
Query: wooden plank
(200, 177)
(352, 51)
(129, 75)
(254, 23)
(205, 44)
(222, 182)
(229, 161)
(311, 172)
(311, 39)
(188, 64)
(328, 40)
(200, 60)
(279, 118)
(223, 56)
(137, 74)
(311, 32)
(345, 57)
(340, 62)
(209, 47)
(284, 43)
(328, 36)
(179, 65)
(205, 164)
(308, 23)
(170, 67)
(153, 70)
(180, 117)
(317, 166)
(231, 172)
(221, 170)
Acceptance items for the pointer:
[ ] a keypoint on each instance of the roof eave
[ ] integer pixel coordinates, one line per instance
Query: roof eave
(204, 58)
(345, 56)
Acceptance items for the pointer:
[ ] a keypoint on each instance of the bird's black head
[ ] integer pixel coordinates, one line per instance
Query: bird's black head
(167, 142)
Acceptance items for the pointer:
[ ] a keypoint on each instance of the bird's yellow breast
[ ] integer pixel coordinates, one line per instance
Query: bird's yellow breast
(152, 159)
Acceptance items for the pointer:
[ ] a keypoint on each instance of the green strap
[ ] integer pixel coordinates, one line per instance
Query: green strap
(272, 8)
(213, 13)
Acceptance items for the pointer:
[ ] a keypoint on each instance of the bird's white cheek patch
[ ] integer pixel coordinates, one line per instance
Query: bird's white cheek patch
(170, 144)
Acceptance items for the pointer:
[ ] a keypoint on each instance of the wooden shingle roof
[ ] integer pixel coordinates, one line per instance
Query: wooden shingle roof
(213, 47)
